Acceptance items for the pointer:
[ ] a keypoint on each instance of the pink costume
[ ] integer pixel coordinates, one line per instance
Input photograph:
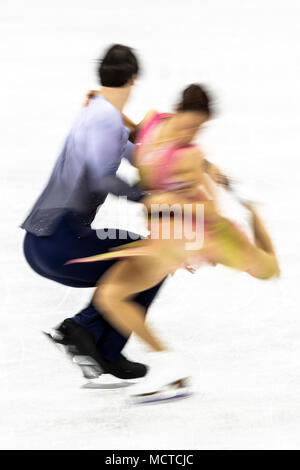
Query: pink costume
(156, 166)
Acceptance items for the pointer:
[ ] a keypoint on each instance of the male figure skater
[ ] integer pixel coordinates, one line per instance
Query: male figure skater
(59, 225)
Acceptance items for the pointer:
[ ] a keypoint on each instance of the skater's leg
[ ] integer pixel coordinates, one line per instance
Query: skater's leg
(146, 297)
(114, 295)
(168, 377)
(112, 342)
(47, 255)
(90, 319)
(109, 340)
(34, 251)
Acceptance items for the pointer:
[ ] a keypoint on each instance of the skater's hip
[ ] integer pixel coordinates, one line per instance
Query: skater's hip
(48, 255)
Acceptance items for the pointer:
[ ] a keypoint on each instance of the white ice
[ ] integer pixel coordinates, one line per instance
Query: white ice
(241, 335)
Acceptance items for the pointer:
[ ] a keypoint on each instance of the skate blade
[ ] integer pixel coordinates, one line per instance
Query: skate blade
(89, 367)
(84, 360)
(62, 347)
(177, 390)
(109, 382)
(105, 386)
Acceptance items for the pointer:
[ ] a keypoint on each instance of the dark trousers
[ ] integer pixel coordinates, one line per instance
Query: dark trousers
(47, 255)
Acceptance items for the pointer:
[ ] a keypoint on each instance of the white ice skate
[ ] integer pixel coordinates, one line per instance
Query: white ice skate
(167, 380)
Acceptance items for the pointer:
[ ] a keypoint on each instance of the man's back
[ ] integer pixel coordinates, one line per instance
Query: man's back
(92, 151)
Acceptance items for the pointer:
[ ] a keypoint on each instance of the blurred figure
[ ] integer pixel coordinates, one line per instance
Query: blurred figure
(173, 170)
(59, 225)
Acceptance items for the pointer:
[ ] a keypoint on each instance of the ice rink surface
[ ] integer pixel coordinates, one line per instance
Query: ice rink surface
(241, 335)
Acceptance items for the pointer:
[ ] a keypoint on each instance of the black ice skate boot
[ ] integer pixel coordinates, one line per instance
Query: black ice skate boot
(81, 345)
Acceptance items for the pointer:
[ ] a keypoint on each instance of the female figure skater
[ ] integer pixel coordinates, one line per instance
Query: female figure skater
(173, 171)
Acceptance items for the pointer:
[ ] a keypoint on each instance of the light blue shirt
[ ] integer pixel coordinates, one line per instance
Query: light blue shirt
(85, 171)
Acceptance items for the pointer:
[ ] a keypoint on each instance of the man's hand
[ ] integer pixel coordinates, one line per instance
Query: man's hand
(133, 127)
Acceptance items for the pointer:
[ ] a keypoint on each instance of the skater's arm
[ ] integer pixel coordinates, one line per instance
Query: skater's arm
(216, 174)
(114, 185)
(128, 153)
(103, 153)
(261, 236)
(262, 260)
(133, 127)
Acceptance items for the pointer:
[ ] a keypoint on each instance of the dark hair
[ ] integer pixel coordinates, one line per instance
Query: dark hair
(195, 98)
(117, 66)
